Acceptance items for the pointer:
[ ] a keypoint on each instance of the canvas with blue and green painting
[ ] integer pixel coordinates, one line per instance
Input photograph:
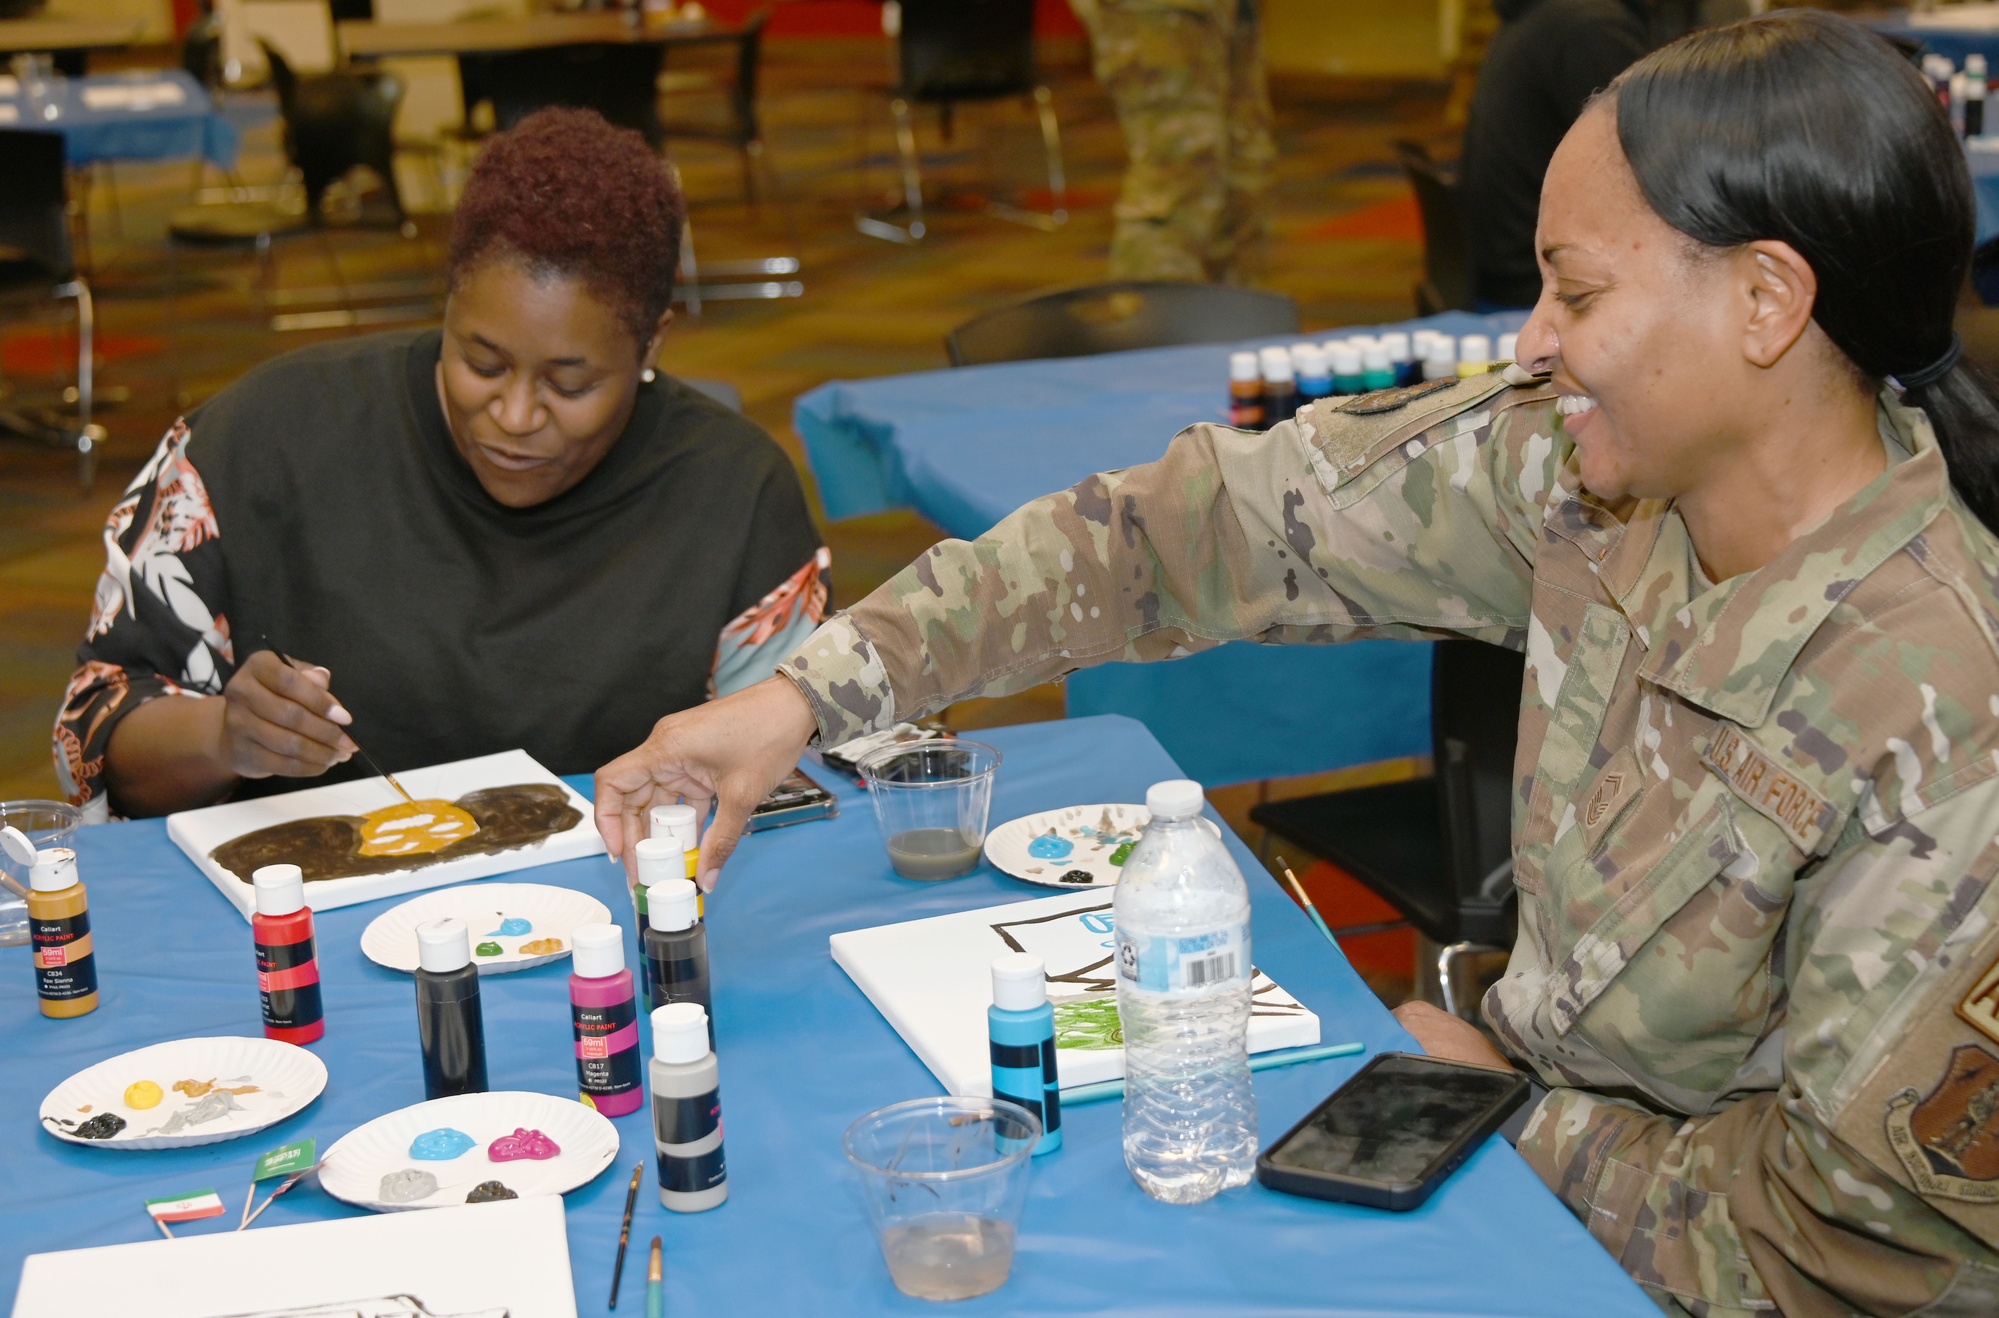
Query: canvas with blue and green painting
(932, 980)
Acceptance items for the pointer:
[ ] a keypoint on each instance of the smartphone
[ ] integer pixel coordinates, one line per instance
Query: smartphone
(1391, 1135)
(794, 801)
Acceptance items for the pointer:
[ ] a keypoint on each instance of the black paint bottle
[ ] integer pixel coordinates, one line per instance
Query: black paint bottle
(447, 1010)
(676, 948)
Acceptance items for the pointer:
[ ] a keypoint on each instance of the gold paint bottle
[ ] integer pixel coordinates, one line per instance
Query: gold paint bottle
(59, 926)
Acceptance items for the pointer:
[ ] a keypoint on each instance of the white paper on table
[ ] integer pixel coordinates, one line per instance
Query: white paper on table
(1976, 16)
(134, 96)
(199, 832)
(471, 1259)
(932, 980)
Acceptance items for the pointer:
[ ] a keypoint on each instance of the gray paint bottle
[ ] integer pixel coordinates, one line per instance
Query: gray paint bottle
(687, 1110)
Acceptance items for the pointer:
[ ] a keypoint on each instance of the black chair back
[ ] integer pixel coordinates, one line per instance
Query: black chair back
(34, 219)
(1474, 730)
(335, 121)
(1447, 270)
(619, 82)
(966, 50)
(1114, 317)
(749, 60)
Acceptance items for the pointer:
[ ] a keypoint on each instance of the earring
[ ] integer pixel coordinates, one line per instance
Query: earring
(647, 375)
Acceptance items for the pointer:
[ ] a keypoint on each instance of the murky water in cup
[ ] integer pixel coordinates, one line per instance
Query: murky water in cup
(948, 1256)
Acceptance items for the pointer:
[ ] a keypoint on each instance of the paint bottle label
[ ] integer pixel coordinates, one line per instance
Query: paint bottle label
(288, 983)
(65, 966)
(607, 1048)
(685, 1120)
(704, 1171)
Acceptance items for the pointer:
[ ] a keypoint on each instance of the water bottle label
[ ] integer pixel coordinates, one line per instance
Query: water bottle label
(1195, 963)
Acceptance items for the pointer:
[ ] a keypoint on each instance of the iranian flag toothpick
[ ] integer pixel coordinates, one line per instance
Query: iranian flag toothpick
(186, 1207)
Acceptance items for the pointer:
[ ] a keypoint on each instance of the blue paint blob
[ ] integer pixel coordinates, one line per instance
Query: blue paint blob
(440, 1145)
(511, 927)
(1050, 847)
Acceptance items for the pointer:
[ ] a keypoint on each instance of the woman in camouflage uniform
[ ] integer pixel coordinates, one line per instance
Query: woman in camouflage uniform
(1734, 504)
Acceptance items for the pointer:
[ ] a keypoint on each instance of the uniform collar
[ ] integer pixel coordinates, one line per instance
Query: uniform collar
(1729, 647)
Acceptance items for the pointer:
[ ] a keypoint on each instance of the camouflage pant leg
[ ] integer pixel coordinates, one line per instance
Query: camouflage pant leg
(1244, 230)
(1168, 69)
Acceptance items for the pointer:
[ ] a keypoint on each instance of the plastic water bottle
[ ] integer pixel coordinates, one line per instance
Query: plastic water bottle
(1182, 916)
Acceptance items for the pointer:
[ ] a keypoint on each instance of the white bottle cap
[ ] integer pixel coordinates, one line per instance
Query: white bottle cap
(1974, 64)
(1276, 364)
(1020, 981)
(680, 1032)
(1375, 358)
(1308, 359)
(443, 945)
(660, 857)
(1475, 348)
(54, 870)
(1242, 366)
(674, 818)
(1396, 345)
(1176, 798)
(1443, 348)
(18, 847)
(1346, 360)
(670, 904)
(1360, 343)
(1508, 345)
(598, 950)
(280, 889)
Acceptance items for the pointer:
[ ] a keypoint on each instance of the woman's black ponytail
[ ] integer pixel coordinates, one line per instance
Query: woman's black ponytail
(1809, 129)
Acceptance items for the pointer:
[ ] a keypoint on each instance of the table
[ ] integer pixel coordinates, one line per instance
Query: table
(802, 1055)
(366, 39)
(70, 40)
(105, 117)
(965, 447)
(1953, 32)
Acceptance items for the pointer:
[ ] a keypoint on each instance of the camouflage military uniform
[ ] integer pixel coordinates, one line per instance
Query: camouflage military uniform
(1187, 79)
(1758, 963)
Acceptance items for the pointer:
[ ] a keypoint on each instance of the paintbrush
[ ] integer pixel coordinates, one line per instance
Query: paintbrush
(625, 1233)
(366, 759)
(655, 1285)
(1306, 899)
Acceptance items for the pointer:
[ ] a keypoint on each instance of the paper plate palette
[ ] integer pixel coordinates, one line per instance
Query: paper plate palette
(183, 1093)
(513, 925)
(354, 1169)
(1078, 846)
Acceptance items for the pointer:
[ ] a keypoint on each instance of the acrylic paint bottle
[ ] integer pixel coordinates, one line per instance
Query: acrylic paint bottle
(1245, 392)
(1315, 380)
(58, 926)
(287, 962)
(1022, 1026)
(448, 1021)
(1474, 355)
(687, 1110)
(1974, 95)
(658, 858)
(1280, 386)
(679, 820)
(1396, 345)
(676, 949)
(1506, 350)
(1441, 361)
(1938, 68)
(1375, 370)
(606, 1018)
(1347, 371)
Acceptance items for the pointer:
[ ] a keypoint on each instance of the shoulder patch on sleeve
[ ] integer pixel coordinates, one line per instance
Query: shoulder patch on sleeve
(1390, 400)
(1345, 438)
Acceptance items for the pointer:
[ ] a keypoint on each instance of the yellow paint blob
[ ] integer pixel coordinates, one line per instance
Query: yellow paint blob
(541, 947)
(143, 1094)
(414, 828)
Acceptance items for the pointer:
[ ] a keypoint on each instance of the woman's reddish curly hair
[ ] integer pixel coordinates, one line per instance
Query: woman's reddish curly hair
(564, 192)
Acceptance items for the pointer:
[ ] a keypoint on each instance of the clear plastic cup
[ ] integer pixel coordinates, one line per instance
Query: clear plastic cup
(944, 1180)
(47, 824)
(931, 800)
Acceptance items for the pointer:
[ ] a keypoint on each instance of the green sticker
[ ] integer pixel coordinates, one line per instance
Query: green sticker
(489, 949)
(286, 1159)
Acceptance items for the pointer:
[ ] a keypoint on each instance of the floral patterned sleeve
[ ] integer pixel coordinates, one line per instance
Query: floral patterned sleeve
(749, 648)
(158, 626)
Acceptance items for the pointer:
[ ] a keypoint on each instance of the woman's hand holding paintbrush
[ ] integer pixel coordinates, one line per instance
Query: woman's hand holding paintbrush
(281, 719)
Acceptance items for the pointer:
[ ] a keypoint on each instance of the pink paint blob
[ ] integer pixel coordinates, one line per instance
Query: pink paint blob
(522, 1144)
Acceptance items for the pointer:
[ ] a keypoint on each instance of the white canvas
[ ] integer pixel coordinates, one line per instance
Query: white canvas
(199, 832)
(932, 980)
(477, 1259)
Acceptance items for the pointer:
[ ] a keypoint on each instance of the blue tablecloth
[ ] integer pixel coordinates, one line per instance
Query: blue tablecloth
(803, 1053)
(966, 447)
(1953, 43)
(185, 130)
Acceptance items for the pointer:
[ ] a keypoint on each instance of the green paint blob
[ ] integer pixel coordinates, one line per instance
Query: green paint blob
(1119, 856)
(1090, 1022)
(489, 949)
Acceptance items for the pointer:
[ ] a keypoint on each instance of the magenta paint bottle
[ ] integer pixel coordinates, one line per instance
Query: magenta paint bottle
(607, 1020)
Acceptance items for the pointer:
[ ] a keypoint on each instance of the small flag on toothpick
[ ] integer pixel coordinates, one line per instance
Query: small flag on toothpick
(186, 1207)
(286, 1159)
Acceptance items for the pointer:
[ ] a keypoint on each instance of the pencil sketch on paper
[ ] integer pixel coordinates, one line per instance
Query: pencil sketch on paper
(380, 1306)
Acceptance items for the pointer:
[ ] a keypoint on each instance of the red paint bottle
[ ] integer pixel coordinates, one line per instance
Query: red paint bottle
(287, 963)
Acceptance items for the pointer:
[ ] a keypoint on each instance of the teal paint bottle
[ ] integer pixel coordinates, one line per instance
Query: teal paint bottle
(1022, 1026)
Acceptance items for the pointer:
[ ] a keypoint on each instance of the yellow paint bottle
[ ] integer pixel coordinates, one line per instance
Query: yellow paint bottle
(58, 927)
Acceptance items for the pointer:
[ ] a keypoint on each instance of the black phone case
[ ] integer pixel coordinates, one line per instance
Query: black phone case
(1399, 1196)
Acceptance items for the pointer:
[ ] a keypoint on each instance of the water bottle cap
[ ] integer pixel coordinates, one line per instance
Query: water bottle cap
(1276, 364)
(660, 857)
(680, 1032)
(597, 950)
(54, 870)
(1020, 981)
(443, 945)
(1176, 798)
(280, 889)
(670, 905)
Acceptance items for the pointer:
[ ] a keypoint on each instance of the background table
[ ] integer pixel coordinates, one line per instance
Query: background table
(187, 129)
(966, 447)
(802, 1055)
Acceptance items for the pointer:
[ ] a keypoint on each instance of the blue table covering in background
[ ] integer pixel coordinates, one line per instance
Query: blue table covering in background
(803, 1054)
(1940, 37)
(966, 447)
(192, 128)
